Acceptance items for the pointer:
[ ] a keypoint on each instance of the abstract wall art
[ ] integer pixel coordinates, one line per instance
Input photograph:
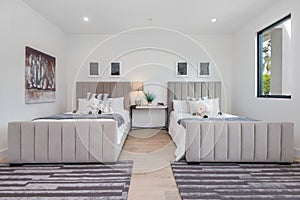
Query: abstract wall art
(115, 69)
(181, 69)
(40, 85)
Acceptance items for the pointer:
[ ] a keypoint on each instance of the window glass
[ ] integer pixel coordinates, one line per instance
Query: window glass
(274, 50)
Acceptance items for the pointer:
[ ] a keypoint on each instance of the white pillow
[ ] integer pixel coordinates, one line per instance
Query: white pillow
(214, 107)
(193, 106)
(205, 98)
(117, 104)
(83, 106)
(180, 106)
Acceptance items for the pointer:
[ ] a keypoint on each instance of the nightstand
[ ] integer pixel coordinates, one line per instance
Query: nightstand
(134, 107)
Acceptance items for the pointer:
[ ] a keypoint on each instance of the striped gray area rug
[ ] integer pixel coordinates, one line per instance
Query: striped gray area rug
(237, 181)
(66, 181)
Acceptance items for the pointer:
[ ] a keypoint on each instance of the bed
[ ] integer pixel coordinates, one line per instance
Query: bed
(72, 140)
(225, 137)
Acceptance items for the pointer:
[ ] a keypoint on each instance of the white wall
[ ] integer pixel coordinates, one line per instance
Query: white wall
(244, 101)
(149, 58)
(22, 26)
(232, 60)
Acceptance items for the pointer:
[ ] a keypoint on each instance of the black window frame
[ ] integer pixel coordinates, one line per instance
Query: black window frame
(259, 64)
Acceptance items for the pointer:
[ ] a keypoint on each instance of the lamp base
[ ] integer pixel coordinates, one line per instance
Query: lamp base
(138, 101)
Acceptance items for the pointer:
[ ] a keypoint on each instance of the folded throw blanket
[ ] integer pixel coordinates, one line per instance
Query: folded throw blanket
(114, 116)
(225, 119)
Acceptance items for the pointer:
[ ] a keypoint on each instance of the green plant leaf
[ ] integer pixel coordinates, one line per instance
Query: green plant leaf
(149, 96)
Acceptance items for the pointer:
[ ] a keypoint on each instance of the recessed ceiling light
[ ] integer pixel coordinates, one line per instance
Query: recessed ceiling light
(86, 19)
(213, 20)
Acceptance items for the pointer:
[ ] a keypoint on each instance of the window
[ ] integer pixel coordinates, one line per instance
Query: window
(273, 57)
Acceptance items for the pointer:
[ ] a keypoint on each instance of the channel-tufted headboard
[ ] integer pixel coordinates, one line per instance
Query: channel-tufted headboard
(114, 89)
(182, 90)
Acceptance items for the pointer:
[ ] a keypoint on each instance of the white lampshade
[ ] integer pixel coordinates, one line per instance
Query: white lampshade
(137, 86)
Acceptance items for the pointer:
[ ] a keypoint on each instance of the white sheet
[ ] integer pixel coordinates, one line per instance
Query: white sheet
(177, 132)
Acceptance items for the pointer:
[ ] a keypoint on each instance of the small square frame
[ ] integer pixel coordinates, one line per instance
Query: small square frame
(203, 69)
(182, 69)
(115, 69)
(94, 69)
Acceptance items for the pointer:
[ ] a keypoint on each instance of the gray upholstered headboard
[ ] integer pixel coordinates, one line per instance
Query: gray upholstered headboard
(114, 89)
(182, 90)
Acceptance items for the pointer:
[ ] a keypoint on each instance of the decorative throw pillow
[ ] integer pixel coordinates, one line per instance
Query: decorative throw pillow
(193, 99)
(199, 107)
(94, 104)
(197, 99)
(90, 95)
(203, 108)
(102, 97)
(104, 107)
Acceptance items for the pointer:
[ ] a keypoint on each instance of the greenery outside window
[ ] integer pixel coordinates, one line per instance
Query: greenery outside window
(273, 57)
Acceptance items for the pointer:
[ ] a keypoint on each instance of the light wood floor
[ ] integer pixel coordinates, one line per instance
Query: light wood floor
(152, 178)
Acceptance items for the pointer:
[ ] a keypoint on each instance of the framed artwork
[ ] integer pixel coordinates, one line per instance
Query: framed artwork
(94, 69)
(40, 84)
(181, 69)
(115, 69)
(203, 69)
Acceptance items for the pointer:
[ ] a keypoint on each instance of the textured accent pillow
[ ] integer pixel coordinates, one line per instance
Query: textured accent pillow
(93, 105)
(199, 107)
(180, 106)
(90, 95)
(203, 108)
(104, 107)
(193, 99)
(102, 97)
(197, 99)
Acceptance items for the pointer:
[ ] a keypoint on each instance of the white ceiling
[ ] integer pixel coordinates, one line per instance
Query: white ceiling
(113, 16)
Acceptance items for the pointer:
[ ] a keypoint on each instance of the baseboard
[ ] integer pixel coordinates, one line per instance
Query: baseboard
(297, 153)
(3, 154)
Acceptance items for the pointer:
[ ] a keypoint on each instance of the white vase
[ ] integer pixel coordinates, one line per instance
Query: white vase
(138, 101)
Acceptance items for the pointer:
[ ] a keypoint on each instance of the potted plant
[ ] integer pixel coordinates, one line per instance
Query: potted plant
(149, 97)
